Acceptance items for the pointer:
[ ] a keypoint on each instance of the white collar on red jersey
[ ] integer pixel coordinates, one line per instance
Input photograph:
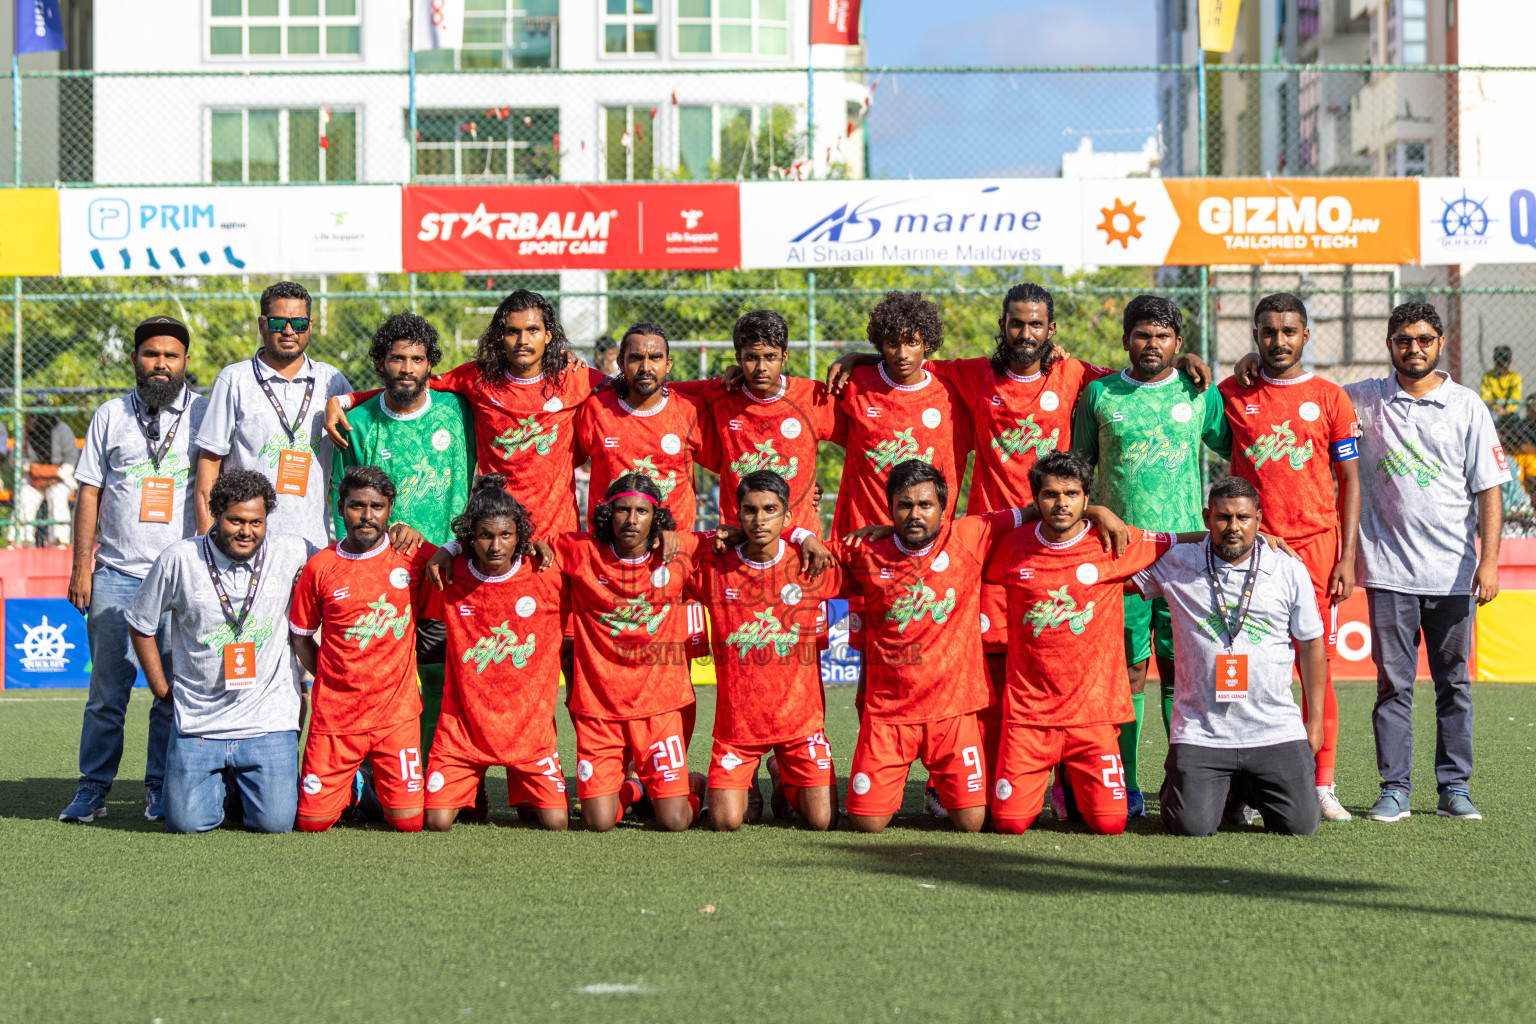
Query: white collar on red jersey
(927, 379)
(740, 553)
(521, 381)
(407, 415)
(1024, 380)
(517, 563)
(377, 549)
(783, 390)
(629, 561)
(920, 552)
(1061, 545)
(1284, 381)
(665, 395)
(1129, 379)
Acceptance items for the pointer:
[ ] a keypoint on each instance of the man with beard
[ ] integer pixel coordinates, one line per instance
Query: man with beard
(135, 501)
(265, 413)
(1236, 608)
(1293, 438)
(1143, 427)
(1432, 468)
(235, 687)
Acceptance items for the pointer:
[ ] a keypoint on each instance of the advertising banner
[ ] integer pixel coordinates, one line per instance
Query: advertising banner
(835, 22)
(288, 229)
(45, 644)
(571, 227)
(957, 222)
(1477, 220)
(1223, 221)
(29, 245)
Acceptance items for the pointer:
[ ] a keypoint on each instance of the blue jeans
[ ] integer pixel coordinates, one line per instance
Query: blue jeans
(113, 670)
(264, 769)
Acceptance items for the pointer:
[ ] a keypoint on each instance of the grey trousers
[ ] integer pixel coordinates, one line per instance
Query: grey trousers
(1277, 780)
(1446, 624)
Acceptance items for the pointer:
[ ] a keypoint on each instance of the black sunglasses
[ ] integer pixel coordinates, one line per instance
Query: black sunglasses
(278, 324)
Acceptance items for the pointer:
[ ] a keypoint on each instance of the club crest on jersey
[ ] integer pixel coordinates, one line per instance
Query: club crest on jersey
(1060, 610)
(899, 448)
(763, 456)
(919, 600)
(381, 618)
(632, 615)
(498, 647)
(1154, 450)
(526, 434)
(765, 630)
(647, 466)
(1027, 436)
(1279, 446)
(1411, 460)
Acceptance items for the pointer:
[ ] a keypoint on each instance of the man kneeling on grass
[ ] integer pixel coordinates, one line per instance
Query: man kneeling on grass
(1236, 605)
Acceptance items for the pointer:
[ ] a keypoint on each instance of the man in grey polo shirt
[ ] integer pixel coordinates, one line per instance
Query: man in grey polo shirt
(1430, 471)
(266, 413)
(1236, 606)
(236, 687)
(135, 501)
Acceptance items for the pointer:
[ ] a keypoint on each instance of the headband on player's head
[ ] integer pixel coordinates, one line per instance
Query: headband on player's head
(632, 494)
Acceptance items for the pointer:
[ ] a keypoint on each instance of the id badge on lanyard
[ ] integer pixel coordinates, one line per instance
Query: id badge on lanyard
(157, 494)
(239, 656)
(292, 464)
(1232, 668)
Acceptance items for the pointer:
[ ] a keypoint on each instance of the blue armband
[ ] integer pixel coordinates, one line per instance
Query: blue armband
(1345, 450)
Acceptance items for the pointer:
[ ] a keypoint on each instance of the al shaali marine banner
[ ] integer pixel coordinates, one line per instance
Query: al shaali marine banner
(1477, 220)
(957, 222)
(296, 229)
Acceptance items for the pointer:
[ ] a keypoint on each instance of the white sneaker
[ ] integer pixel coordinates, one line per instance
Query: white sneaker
(1332, 809)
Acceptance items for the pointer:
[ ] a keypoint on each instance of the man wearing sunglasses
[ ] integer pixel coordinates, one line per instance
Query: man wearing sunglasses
(265, 414)
(1430, 471)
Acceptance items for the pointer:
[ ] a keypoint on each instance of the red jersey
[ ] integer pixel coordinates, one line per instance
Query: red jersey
(888, 424)
(764, 622)
(662, 443)
(1066, 643)
(364, 607)
(527, 433)
(503, 664)
(1286, 435)
(631, 624)
(745, 434)
(922, 611)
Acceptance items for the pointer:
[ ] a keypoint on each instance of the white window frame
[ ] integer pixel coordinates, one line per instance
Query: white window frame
(629, 21)
(1398, 155)
(715, 21)
(282, 22)
(509, 18)
(460, 144)
(283, 152)
(635, 113)
(716, 128)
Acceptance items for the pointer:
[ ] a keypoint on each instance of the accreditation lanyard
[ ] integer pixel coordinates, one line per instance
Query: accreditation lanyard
(1232, 669)
(239, 656)
(309, 394)
(145, 417)
(157, 494)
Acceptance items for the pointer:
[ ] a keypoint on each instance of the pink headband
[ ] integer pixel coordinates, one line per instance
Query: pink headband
(632, 494)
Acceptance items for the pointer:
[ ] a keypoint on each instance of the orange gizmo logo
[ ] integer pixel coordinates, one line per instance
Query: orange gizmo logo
(1116, 215)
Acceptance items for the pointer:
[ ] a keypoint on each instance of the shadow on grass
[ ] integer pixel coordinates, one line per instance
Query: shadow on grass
(1021, 871)
(43, 799)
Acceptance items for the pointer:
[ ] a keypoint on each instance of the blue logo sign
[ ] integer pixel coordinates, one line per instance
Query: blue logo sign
(1522, 217)
(1464, 217)
(45, 644)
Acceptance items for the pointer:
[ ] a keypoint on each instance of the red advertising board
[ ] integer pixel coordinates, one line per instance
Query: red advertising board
(835, 22)
(571, 227)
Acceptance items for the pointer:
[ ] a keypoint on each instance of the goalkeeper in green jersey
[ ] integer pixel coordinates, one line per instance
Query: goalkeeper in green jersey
(1143, 428)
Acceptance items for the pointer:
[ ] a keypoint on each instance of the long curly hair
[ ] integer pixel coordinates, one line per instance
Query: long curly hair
(489, 500)
(491, 354)
(602, 515)
(1027, 292)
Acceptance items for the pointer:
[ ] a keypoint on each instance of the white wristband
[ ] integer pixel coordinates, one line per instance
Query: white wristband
(345, 401)
(799, 535)
(453, 547)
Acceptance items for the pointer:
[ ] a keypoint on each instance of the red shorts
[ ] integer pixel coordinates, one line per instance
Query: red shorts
(451, 781)
(805, 762)
(330, 762)
(1091, 755)
(950, 749)
(658, 746)
(1319, 553)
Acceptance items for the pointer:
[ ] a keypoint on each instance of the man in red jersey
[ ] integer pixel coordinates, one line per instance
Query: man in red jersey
(1067, 686)
(364, 704)
(770, 421)
(766, 615)
(503, 614)
(921, 591)
(1293, 438)
(631, 697)
(524, 395)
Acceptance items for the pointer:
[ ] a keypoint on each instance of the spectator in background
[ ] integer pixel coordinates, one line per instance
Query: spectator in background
(1501, 385)
(605, 355)
(48, 462)
(136, 500)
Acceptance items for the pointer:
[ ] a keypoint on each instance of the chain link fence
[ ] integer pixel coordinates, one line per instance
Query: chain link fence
(64, 342)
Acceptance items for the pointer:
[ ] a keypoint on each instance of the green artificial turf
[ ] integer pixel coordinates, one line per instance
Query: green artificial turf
(1430, 919)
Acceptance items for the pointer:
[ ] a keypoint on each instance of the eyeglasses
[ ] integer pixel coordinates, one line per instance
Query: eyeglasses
(1423, 341)
(278, 324)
